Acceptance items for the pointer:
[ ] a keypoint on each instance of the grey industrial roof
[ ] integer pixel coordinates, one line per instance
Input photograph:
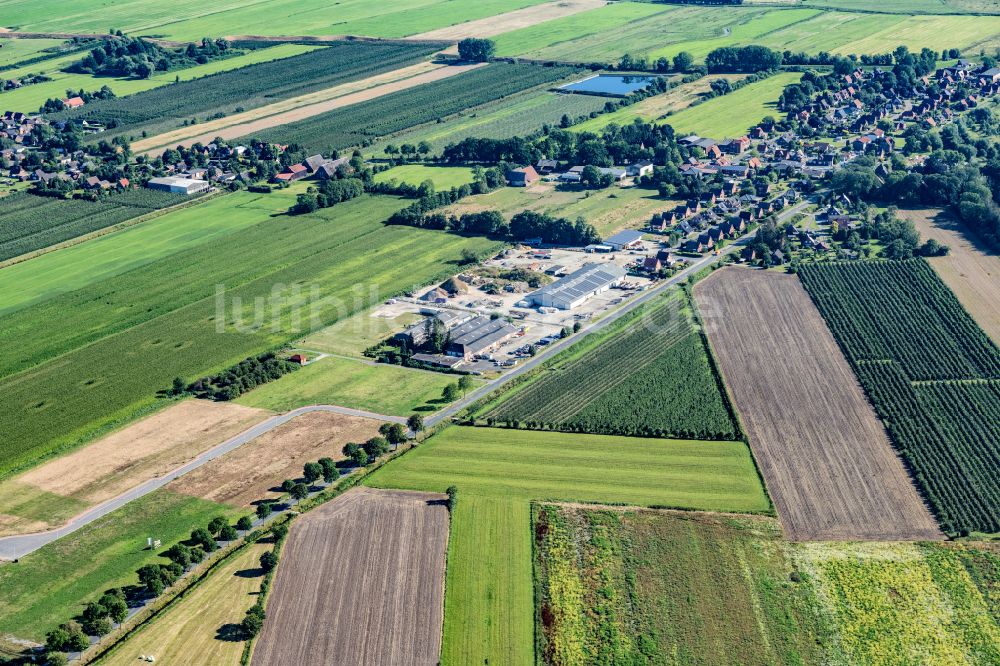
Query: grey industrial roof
(624, 237)
(585, 280)
(481, 332)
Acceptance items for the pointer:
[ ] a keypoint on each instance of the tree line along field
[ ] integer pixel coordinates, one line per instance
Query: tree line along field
(29, 223)
(102, 358)
(164, 108)
(488, 594)
(630, 586)
(53, 583)
(190, 20)
(364, 122)
(650, 376)
(933, 376)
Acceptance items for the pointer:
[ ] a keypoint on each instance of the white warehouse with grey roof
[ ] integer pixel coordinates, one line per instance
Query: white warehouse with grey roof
(574, 289)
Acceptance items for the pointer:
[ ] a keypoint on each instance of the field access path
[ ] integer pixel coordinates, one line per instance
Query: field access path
(298, 108)
(14, 547)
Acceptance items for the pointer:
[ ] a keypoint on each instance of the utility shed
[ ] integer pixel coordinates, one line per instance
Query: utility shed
(574, 289)
(177, 185)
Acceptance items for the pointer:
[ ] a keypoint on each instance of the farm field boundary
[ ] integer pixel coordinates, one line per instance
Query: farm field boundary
(912, 345)
(971, 269)
(404, 536)
(488, 608)
(653, 371)
(828, 465)
(265, 119)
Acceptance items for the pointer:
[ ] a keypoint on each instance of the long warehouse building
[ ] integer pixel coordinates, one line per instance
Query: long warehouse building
(573, 290)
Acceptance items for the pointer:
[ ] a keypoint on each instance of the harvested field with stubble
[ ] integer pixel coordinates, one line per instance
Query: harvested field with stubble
(970, 269)
(50, 494)
(360, 581)
(248, 473)
(826, 459)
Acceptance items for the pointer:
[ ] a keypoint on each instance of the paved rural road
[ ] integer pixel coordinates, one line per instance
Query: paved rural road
(14, 547)
(601, 324)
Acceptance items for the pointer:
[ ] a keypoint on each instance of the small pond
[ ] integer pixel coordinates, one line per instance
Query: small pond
(614, 85)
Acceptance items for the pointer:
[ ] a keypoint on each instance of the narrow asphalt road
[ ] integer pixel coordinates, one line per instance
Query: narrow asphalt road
(14, 547)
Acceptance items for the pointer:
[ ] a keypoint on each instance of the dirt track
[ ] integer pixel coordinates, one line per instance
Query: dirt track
(826, 459)
(360, 582)
(519, 18)
(291, 110)
(971, 270)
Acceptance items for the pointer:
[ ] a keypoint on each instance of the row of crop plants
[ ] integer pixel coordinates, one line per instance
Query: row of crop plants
(651, 378)
(251, 86)
(932, 374)
(362, 123)
(29, 222)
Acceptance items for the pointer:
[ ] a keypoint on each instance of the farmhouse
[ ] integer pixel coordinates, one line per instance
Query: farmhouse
(625, 240)
(574, 289)
(73, 102)
(417, 334)
(522, 177)
(177, 185)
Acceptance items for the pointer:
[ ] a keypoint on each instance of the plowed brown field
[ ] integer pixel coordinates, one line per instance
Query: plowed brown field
(826, 459)
(361, 581)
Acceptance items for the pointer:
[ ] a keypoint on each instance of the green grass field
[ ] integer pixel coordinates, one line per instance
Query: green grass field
(84, 373)
(13, 51)
(488, 605)
(444, 178)
(30, 98)
(911, 6)
(383, 389)
(51, 585)
(608, 210)
(191, 20)
(969, 33)
(733, 114)
(76, 267)
(352, 335)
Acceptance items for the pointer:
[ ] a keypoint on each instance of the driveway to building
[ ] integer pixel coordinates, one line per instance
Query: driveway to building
(14, 547)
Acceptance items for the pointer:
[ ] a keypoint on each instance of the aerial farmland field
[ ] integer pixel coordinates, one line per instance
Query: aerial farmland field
(90, 381)
(970, 270)
(488, 610)
(649, 376)
(733, 114)
(915, 369)
(191, 20)
(46, 496)
(800, 404)
(50, 585)
(200, 625)
(321, 610)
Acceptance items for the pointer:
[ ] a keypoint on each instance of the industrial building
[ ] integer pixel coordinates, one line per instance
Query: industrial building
(624, 240)
(417, 334)
(478, 336)
(177, 185)
(574, 289)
